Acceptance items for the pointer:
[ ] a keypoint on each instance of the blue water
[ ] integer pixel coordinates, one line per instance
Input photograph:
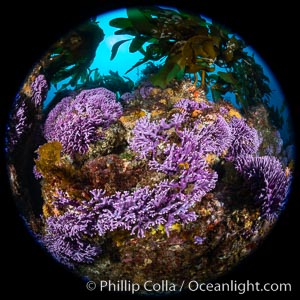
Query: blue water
(124, 60)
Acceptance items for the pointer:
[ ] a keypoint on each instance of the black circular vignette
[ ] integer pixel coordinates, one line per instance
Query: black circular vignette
(33, 28)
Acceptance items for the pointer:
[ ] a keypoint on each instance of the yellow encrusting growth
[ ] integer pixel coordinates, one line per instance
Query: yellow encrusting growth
(128, 121)
(119, 237)
(196, 113)
(47, 211)
(248, 224)
(205, 212)
(159, 229)
(157, 112)
(287, 171)
(49, 156)
(176, 227)
(234, 113)
(162, 229)
(289, 168)
(163, 101)
(184, 165)
(211, 158)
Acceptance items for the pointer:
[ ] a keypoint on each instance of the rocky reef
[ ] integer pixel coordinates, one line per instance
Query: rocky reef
(163, 184)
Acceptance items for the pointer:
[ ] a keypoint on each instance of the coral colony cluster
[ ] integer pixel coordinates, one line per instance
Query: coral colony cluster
(26, 110)
(266, 176)
(177, 147)
(159, 175)
(74, 122)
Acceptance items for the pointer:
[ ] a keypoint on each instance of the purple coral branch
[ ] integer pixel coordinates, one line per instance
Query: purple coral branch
(39, 90)
(147, 136)
(66, 238)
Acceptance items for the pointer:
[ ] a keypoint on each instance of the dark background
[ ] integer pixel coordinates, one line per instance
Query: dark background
(28, 29)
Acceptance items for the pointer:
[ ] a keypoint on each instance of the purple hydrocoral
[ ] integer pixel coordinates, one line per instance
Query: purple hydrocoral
(147, 136)
(223, 110)
(19, 122)
(127, 97)
(177, 148)
(137, 211)
(245, 139)
(185, 158)
(59, 109)
(67, 235)
(166, 203)
(143, 91)
(75, 122)
(144, 208)
(190, 153)
(198, 240)
(190, 105)
(213, 138)
(216, 137)
(268, 181)
(39, 90)
(36, 173)
(25, 111)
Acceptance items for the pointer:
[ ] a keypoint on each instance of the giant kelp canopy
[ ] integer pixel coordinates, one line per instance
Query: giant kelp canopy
(187, 43)
(71, 56)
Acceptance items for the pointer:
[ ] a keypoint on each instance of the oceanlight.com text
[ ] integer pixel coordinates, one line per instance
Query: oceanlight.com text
(239, 287)
(192, 286)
